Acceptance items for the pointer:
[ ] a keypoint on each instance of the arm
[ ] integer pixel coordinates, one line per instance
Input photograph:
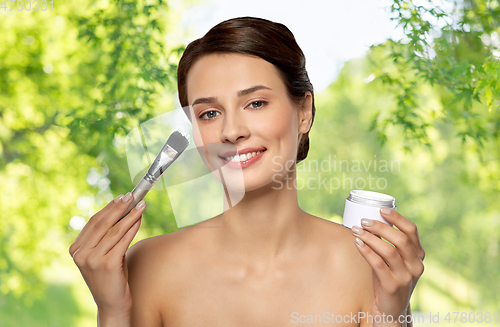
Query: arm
(397, 264)
(99, 253)
(109, 320)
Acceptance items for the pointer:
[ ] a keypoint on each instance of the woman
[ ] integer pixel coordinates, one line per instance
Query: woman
(268, 263)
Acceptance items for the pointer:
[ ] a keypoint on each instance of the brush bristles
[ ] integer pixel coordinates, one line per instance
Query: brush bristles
(178, 141)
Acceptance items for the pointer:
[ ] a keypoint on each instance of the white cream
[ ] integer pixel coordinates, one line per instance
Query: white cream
(366, 204)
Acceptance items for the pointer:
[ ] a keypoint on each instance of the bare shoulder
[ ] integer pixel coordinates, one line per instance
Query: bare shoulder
(159, 255)
(344, 258)
(158, 266)
(339, 239)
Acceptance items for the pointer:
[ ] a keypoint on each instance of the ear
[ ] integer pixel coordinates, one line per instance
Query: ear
(305, 114)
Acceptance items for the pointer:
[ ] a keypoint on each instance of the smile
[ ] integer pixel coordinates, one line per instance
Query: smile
(242, 157)
(244, 160)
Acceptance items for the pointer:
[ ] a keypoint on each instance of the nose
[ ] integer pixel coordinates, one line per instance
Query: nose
(235, 127)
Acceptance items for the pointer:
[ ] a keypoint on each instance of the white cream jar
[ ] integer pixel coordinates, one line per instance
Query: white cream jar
(366, 204)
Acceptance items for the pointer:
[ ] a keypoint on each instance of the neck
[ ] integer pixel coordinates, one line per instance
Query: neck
(266, 224)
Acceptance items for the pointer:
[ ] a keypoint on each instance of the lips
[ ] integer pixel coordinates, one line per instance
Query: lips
(242, 157)
(248, 152)
(243, 160)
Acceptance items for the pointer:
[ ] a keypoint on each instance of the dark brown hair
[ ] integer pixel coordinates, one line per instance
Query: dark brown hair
(259, 37)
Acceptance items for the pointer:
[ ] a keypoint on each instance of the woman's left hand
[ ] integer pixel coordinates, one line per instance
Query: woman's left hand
(396, 269)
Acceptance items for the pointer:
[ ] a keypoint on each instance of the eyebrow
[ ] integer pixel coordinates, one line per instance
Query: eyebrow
(240, 94)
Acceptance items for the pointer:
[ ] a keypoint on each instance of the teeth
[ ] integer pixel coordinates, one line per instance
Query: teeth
(243, 157)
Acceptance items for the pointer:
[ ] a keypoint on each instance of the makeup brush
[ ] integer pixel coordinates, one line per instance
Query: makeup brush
(175, 145)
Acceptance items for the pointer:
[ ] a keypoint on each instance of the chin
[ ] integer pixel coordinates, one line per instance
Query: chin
(263, 183)
(268, 174)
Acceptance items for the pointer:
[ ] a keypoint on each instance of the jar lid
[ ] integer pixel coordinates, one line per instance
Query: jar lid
(372, 198)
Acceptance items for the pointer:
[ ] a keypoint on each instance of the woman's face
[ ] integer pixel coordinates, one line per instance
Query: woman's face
(241, 100)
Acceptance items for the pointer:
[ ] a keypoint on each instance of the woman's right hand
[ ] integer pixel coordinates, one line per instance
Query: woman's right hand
(99, 252)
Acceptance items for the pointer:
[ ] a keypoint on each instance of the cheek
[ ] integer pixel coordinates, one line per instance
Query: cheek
(206, 139)
(204, 134)
(279, 128)
(276, 124)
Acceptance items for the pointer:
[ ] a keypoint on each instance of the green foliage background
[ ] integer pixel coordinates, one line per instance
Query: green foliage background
(75, 81)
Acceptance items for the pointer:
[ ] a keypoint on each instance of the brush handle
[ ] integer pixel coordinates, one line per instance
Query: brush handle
(139, 192)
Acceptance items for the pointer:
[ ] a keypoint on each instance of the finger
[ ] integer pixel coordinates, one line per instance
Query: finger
(401, 241)
(378, 265)
(121, 247)
(84, 233)
(105, 223)
(384, 250)
(406, 226)
(116, 233)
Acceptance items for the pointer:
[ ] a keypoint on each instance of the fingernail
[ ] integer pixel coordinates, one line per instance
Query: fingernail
(127, 197)
(359, 242)
(357, 230)
(118, 198)
(385, 211)
(140, 205)
(367, 222)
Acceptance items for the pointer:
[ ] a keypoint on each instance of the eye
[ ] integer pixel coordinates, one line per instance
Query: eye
(209, 115)
(258, 104)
